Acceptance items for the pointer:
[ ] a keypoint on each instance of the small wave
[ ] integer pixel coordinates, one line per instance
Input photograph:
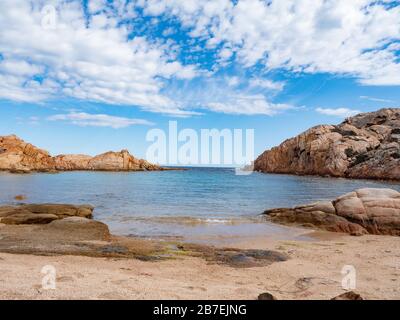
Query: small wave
(224, 221)
(187, 220)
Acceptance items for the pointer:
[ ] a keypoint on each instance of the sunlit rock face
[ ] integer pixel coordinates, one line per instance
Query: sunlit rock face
(364, 146)
(20, 157)
(363, 211)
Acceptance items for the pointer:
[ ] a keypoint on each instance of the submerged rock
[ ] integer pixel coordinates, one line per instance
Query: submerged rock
(235, 258)
(374, 211)
(364, 146)
(20, 197)
(17, 156)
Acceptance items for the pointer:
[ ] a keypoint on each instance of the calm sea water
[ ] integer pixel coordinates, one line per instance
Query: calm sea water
(179, 203)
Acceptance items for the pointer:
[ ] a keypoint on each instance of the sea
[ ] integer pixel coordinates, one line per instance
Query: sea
(192, 204)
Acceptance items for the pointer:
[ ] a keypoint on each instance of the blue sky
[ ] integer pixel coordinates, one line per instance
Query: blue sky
(92, 76)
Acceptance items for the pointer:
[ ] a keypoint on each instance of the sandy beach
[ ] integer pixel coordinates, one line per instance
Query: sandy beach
(313, 271)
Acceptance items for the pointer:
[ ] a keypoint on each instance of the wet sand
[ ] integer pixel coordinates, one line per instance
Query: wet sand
(313, 271)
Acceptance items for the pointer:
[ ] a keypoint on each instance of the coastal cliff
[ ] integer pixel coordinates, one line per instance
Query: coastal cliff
(20, 157)
(364, 146)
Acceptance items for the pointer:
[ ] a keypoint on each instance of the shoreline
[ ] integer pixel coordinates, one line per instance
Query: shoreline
(313, 271)
(18, 171)
(164, 268)
(89, 262)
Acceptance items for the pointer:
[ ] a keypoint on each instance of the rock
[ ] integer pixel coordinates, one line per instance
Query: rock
(364, 146)
(20, 197)
(350, 295)
(29, 218)
(64, 230)
(374, 211)
(20, 157)
(61, 210)
(119, 161)
(71, 162)
(266, 296)
(81, 228)
(17, 156)
(42, 213)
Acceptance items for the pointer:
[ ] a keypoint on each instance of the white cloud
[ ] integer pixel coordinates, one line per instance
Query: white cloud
(339, 112)
(376, 99)
(225, 94)
(97, 59)
(267, 84)
(247, 105)
(98, 120)
(233, 81)
(335, 36)
(98, 62)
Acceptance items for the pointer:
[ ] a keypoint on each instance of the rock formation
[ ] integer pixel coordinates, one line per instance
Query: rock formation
(109, 161)
(364, 146)
(42, 213)
(53, 229)
(374, 211)
(20, 157)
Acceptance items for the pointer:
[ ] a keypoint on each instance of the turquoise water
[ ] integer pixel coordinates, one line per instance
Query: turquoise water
(179, 203)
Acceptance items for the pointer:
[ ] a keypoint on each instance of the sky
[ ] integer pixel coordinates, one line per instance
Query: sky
(96, 75)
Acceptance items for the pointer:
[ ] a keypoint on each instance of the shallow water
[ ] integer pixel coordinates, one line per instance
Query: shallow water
(195, 202)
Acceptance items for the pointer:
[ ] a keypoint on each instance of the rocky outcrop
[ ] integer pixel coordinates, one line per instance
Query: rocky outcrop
(42, 213)
(54, 229)
(109, 161)
(20, 157)
(364, 146)
(374, 211)
(72, 162)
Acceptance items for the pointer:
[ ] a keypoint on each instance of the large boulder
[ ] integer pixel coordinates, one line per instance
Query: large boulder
(363, 146)
(374, 211)
(80, 228)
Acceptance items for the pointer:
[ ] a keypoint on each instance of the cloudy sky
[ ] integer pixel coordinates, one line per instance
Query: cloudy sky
(89, 76)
